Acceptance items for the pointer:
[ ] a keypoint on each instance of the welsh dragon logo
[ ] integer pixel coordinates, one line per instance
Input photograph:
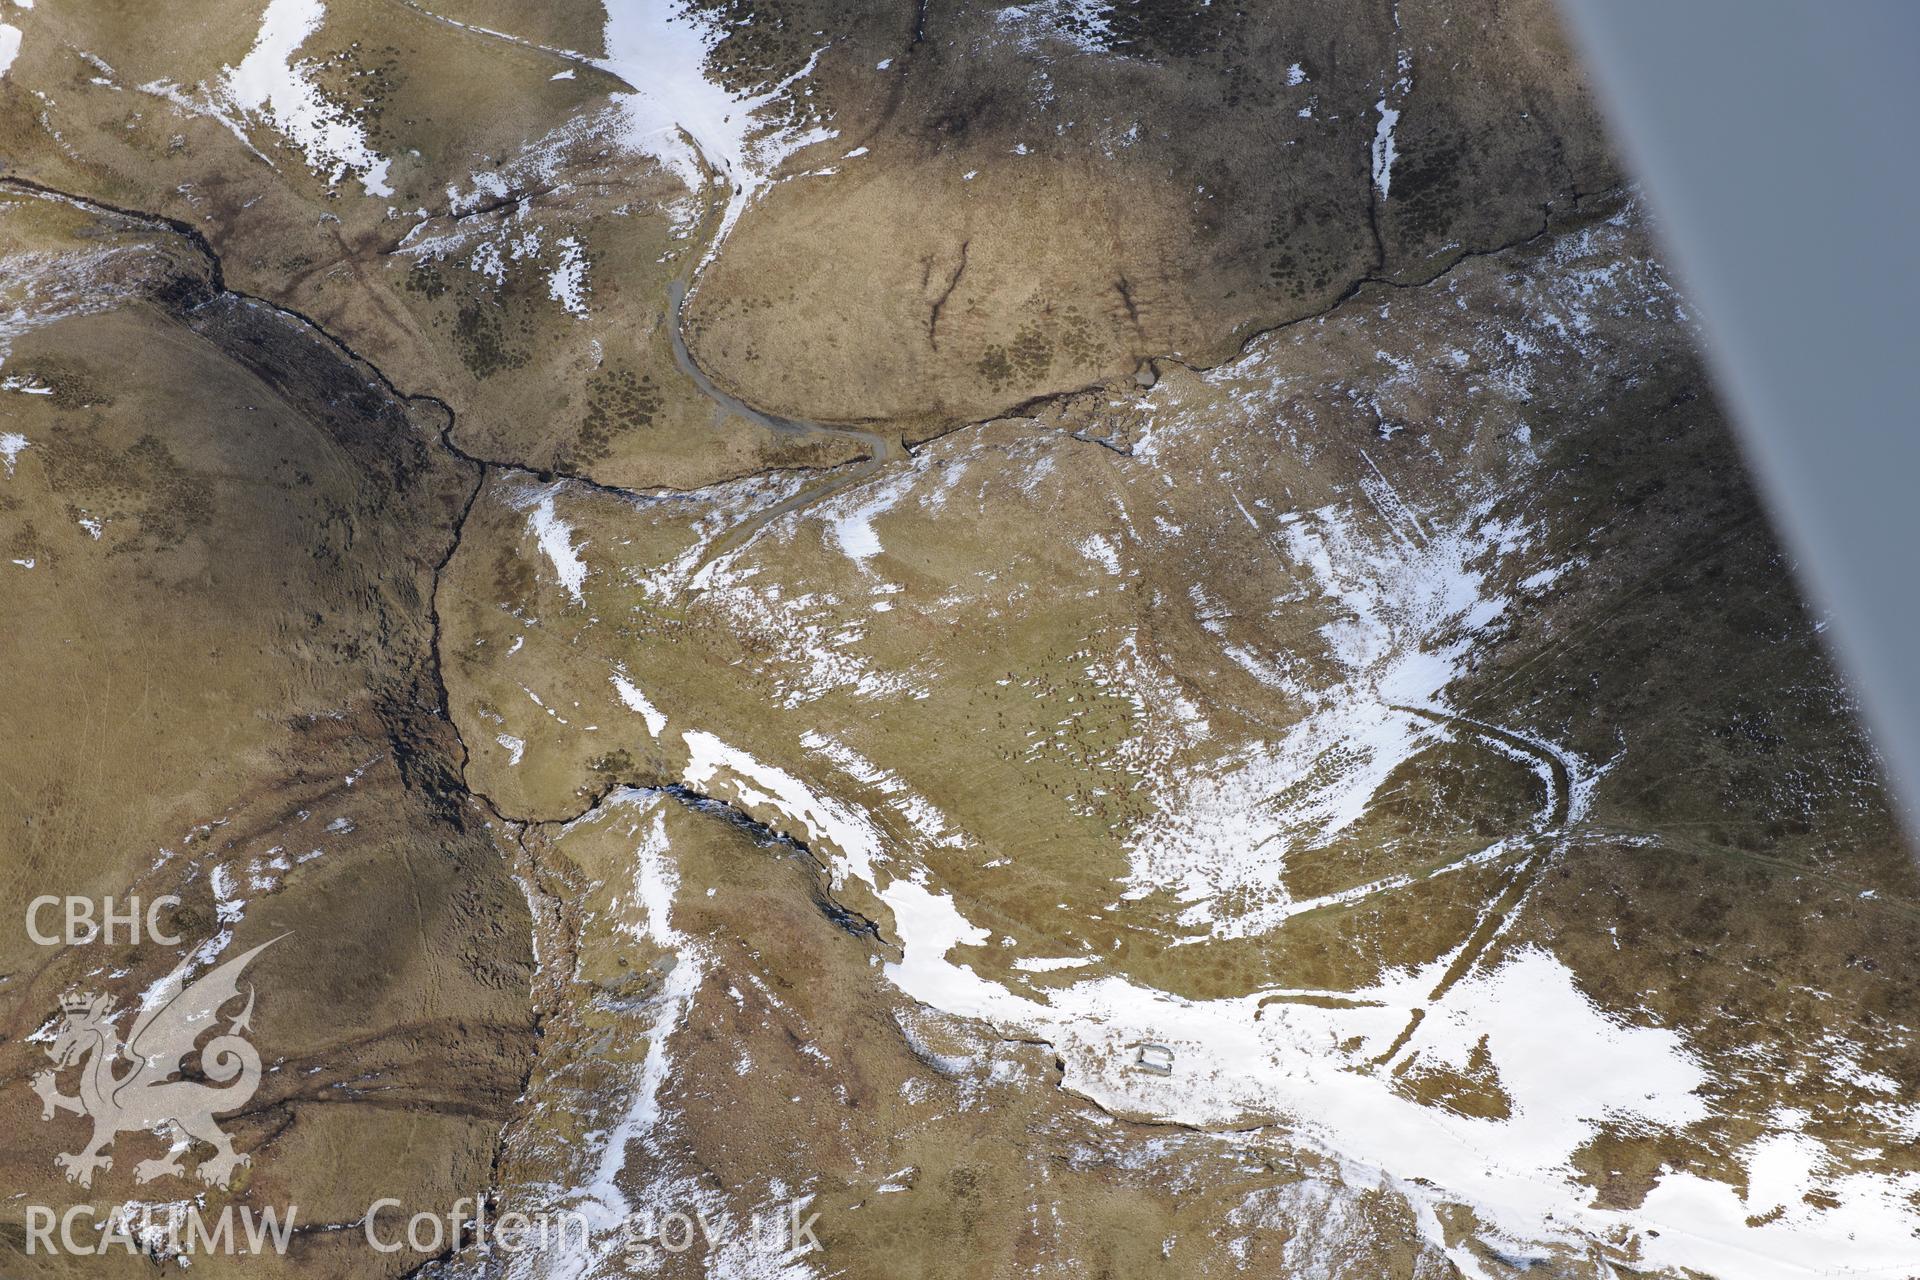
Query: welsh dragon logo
(132, 1086)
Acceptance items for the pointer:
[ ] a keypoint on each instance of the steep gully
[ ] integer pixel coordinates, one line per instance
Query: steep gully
(1549, 834)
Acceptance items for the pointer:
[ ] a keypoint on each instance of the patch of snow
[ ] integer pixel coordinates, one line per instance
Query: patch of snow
(637, 701)
(921, 814)
(1567, 1068)
(851, 842)
(850, 516)
(1383, 147)
(567, 285)
(1050, 964)
(1083, 25)
(271, 84)
(656, 881)
(555, 538)
(1404, 612)
(1545, 577)
(1383, 144)
(1100, 549)
(690, 121)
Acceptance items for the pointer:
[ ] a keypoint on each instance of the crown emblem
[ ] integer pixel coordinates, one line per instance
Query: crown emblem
(76, 1002)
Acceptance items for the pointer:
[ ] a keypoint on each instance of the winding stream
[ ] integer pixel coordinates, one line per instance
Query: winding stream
(880, 449)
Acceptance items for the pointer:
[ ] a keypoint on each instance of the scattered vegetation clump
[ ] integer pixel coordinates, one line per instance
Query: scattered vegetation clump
(617, 403)
(485, 347)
